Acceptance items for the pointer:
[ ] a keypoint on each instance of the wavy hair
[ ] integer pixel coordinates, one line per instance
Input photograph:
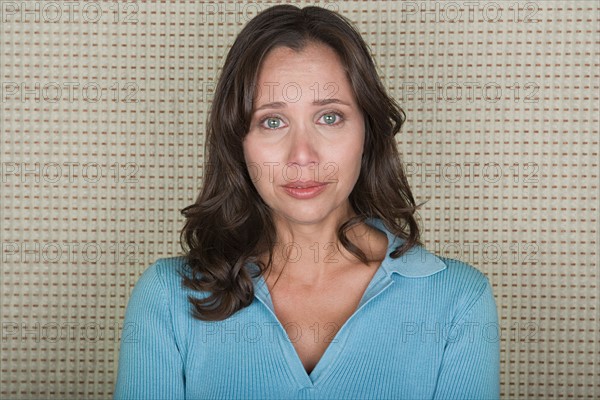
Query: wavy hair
(229, 224)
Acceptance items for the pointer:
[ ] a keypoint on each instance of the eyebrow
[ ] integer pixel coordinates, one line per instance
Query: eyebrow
(280, 104)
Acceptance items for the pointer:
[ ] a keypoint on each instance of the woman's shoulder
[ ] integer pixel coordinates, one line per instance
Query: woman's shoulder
(423, 265)
(464, 286)
(163, 278)
(167, 267)
(164, 269)
(457, 272)
(453, 285)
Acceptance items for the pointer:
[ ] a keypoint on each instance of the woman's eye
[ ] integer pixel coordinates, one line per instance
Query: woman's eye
(331, 118)
(271, 122)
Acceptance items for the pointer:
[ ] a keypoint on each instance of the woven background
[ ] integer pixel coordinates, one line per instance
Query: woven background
(103, 109)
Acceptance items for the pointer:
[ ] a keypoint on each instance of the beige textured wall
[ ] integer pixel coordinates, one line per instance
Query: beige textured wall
(103, 107)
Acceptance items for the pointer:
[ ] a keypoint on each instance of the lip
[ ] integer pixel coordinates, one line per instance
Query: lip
(304, 184)
(305, 193)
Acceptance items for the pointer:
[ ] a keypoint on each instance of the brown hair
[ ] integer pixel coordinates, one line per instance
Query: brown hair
(229, 224)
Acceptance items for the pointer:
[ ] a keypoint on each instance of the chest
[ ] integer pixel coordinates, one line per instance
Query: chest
(313, 316)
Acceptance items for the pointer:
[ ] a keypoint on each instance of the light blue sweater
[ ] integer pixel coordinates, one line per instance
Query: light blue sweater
(425, 328)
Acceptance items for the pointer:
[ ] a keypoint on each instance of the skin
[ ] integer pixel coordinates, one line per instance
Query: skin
(319, 140)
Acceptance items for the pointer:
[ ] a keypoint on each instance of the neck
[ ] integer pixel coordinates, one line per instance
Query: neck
(310, 252)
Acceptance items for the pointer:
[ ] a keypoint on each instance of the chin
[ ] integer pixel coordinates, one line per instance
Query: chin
(304, 217)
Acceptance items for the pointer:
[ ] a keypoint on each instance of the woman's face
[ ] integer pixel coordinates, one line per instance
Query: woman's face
(306, 126)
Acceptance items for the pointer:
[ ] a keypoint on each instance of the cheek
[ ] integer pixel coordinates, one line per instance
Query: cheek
(350, 156)
(253, 153)
(256, 159)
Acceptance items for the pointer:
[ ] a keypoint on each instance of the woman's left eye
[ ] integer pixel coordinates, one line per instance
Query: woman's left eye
(331, 118)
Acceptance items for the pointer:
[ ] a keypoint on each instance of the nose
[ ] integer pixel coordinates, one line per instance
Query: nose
(303, 146)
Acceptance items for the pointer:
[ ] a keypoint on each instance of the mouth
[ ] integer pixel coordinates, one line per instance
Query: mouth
(304, 185)
(305, 191)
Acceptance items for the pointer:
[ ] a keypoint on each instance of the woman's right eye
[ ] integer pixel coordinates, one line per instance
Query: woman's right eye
(271, 122)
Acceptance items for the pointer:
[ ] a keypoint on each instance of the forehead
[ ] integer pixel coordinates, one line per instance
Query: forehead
(316, 69)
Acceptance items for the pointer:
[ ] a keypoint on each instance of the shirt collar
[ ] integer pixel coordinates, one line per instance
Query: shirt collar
(417, 262)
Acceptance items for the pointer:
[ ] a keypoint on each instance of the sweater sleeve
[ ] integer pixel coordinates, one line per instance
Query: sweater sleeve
(150, 363)
(470, 367)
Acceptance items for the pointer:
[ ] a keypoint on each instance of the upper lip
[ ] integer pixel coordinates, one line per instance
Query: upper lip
(304, 184)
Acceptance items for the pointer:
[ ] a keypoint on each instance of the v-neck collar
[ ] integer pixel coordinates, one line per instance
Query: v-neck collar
(416, 263)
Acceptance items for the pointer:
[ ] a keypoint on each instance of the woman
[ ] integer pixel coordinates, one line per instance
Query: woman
(304, 274)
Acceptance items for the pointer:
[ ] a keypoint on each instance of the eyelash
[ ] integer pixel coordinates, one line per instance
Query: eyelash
(266, 117)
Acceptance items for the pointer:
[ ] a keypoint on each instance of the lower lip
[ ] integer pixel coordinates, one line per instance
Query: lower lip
(307, 193)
